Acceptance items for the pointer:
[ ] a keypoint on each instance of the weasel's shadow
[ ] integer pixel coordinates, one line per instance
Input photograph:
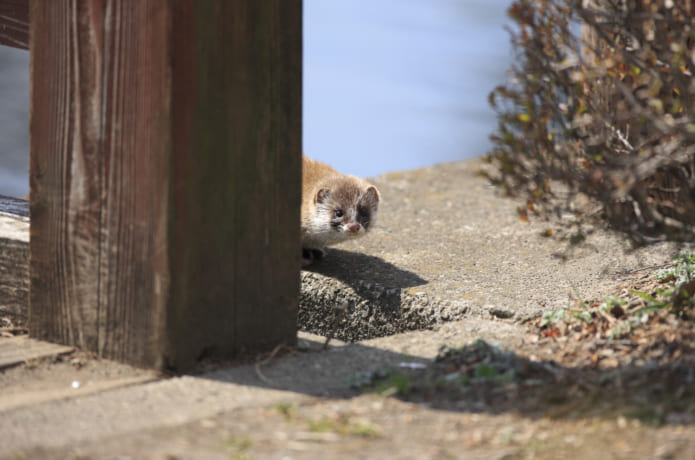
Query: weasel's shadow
(354, 268)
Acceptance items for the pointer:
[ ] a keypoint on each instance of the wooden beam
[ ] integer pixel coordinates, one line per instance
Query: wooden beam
(165, 177)
(14, 23)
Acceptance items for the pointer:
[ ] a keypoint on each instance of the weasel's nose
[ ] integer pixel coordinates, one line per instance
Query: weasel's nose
(353, 228)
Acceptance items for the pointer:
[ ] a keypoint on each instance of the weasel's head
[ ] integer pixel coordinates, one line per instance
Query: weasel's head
(349, 208)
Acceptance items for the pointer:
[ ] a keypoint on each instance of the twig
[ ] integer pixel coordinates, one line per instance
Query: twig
(650, 268)
(267, 360)
(622, 138)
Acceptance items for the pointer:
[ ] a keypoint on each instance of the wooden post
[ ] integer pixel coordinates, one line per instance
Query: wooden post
(165, 176)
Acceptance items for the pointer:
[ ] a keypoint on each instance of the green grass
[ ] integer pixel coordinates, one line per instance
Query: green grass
(287, 410)
(396, 383)
(239, 447)
(345, 425)
(682, 271)
(385, 381)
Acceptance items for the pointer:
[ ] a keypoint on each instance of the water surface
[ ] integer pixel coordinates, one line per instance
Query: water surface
(388, 85)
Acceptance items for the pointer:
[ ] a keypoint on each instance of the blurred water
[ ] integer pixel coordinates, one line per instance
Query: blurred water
(388, 85)
(397, 84)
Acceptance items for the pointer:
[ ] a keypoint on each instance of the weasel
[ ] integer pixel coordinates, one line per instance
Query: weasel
(335, 207)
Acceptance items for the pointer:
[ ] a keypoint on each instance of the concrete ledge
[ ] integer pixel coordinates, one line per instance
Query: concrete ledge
(380, 299)
(449, 246)
(14, 259)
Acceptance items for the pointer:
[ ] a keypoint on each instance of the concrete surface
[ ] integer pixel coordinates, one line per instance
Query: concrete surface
(447, 246)
(449, 262)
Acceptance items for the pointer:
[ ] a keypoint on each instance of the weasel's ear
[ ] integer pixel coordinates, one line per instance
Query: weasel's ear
(321, 195)
(372, 195)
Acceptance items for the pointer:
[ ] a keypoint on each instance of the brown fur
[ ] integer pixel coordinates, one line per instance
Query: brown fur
(325, 190)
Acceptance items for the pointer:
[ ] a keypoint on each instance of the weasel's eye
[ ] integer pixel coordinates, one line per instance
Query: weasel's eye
(362, 212)
(338, 213)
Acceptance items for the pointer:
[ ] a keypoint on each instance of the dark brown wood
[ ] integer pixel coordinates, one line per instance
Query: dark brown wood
(14, 261)
(165, 177)
(14, 23)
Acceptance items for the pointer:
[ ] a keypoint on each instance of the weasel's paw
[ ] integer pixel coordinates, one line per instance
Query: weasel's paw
(310, 255)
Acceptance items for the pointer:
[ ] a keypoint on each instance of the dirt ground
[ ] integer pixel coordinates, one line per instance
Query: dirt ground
(491, 420)
(571, 410)
(376, 427)
(446, 354)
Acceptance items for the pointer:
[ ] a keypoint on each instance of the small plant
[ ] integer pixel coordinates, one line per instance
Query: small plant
(240, 447)
(467, 371)
(612, 304)
(605, 313)
(323, 425)
(362, 380)
(482, 363)
(620, 316)
(366, 430)
(239, 443)
(345, 425)
(681, 272)
(397, 383)
(288, 410)
(555, 316)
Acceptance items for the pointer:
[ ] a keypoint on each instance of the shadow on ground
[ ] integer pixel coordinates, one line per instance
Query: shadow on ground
(481, 378)
(355, 269)
(354, 296)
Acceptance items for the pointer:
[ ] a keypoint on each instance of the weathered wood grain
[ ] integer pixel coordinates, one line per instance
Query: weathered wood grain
(236, 196)
(165, 170)
(14, 259)
(14, 23)
(65, 171)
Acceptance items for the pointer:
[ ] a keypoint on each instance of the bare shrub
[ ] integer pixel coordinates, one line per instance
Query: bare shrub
(601, 97)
